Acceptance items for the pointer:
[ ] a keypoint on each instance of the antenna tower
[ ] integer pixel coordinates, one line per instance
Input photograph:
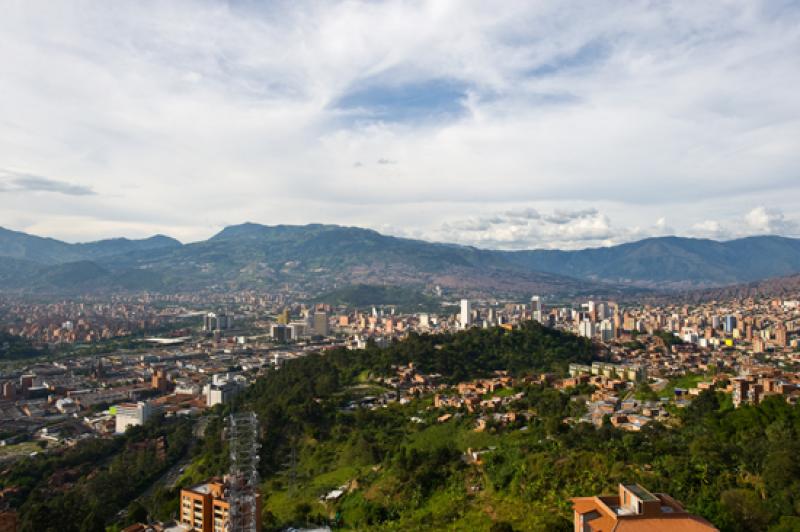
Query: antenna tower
(242, 482)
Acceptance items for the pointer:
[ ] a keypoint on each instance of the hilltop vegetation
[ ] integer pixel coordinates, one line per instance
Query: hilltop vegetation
(14, 347)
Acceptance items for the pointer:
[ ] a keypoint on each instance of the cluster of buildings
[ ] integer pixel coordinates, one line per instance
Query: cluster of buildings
(64, 401)
(82, 322)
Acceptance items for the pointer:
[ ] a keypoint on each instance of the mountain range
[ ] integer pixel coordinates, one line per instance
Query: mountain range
(315, 259)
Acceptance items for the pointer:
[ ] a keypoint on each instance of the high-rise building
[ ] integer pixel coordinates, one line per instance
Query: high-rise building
(729, 324)
(280, 332)
(586, 328)
(217, 321)
(536, 308)
(780, 336)
(466, 313)
(607, 331)
(321, 323)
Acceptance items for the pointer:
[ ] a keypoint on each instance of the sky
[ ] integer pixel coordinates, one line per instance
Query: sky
(514, 124)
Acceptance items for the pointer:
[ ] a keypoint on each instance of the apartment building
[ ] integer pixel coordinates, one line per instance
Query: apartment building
(204, 507)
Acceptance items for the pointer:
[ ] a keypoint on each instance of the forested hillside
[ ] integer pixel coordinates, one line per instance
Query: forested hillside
(406, 471)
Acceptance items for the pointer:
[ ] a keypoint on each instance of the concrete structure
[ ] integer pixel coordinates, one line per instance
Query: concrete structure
(130, 414)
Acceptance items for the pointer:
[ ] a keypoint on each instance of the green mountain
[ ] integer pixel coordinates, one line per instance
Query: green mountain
(18, 245)
(316, 259)
(672, 262)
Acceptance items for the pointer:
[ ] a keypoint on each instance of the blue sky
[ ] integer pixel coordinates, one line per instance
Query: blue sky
(533, 124)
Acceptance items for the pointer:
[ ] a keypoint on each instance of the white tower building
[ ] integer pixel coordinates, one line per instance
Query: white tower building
(466, 313)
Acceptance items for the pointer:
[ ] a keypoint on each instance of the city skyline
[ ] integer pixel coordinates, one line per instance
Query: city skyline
(536, 127)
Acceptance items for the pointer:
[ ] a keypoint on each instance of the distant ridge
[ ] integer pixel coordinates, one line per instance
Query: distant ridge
(777, 287)
(19, 245)
(673, 262)
(318, 258)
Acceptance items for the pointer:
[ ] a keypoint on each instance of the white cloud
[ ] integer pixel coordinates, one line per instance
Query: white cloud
(526, 228)
(181, 116)
(767, 221)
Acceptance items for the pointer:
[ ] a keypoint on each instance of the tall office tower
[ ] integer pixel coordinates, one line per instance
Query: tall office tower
(466, 313)
(729, 324)
(321, 323)
(536, 308)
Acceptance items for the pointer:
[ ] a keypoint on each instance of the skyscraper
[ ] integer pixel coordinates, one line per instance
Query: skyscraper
(466, 313)
(536, 308)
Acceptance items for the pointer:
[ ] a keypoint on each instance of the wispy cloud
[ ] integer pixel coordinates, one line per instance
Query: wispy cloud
(20, 182)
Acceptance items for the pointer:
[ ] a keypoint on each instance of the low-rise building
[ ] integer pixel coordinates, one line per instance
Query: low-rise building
(635, 509)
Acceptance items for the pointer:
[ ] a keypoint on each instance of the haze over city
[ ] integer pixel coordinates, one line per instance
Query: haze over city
(545, 125)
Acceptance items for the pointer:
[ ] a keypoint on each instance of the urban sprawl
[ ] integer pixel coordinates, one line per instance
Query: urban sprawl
(107, 365)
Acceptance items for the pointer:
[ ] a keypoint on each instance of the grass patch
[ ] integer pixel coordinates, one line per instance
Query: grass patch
(685, 382)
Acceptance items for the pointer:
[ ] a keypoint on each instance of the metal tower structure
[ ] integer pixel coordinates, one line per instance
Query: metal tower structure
(242, 484)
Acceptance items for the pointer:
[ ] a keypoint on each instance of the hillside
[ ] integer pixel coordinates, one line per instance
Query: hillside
(672, 262)
(317, 259)
(22, 246)
(777, 287)
(310, 259)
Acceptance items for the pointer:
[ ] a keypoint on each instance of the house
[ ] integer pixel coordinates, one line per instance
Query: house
(635, 509)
